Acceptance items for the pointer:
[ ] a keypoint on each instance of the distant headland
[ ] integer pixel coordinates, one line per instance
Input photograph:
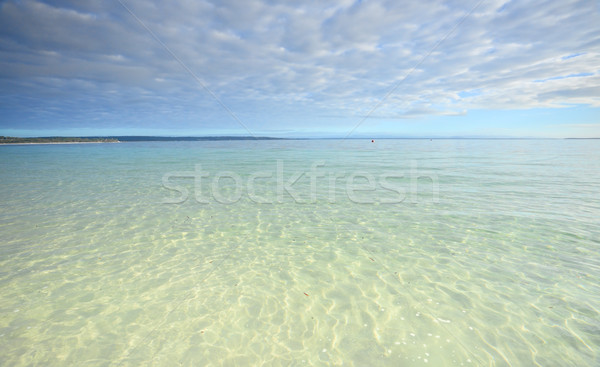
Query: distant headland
(55, 140)
(118, 139)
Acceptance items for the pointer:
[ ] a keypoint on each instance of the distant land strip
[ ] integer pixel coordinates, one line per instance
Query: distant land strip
(117, 139)
(124, 139)
(55, 140)
(187, 138)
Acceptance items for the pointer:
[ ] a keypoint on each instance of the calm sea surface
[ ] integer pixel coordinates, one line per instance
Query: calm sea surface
(315, 252)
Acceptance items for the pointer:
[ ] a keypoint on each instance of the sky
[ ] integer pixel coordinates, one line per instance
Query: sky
(344, 68)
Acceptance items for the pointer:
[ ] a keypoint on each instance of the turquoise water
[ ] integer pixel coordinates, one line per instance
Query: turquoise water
(393, 253)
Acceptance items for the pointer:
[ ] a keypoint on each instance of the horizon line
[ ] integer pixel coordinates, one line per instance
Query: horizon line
(134, 138)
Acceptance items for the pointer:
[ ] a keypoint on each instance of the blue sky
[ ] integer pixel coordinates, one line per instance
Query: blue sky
(300, 68)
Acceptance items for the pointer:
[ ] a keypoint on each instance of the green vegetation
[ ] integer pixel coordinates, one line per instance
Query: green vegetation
(54, 139)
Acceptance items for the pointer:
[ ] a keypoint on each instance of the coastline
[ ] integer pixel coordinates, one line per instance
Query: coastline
(64, 142)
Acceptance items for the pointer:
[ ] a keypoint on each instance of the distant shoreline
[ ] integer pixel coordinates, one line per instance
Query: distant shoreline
(63, 142)
(6, 140)
(12, 140)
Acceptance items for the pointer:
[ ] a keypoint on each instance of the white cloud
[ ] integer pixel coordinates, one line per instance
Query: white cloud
(271, 59)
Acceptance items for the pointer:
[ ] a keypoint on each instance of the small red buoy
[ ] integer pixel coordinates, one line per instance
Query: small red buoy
(372, 141)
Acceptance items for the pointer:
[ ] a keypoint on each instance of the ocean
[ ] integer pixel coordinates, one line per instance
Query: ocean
(406, 252)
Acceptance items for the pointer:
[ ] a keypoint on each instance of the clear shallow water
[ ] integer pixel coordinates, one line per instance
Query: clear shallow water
(487, 255)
